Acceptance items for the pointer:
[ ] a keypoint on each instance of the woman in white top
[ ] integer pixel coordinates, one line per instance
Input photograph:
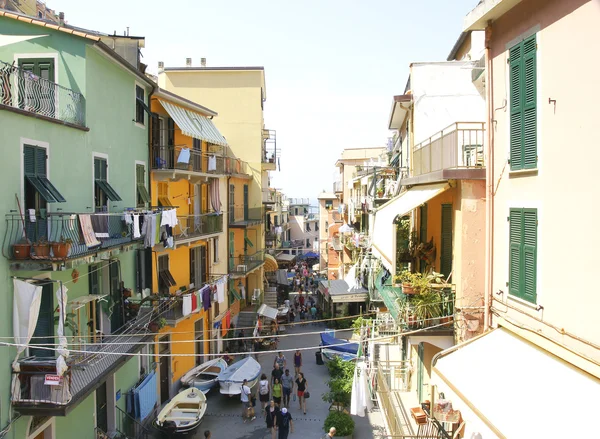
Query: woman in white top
(263, 391)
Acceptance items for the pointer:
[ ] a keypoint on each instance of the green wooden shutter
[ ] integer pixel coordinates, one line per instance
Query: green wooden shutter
(529, 103)
(170, 132)
(246, 200)
(155, 130)
(446, 244)
(44, 327)
(529, 280)
(515, 241)
(140, 178)
(423, 224)
(29, 159)
(231, 250)
(40, 162)
(93, 276)
(193, 274)
(202, 265)
(516, 107)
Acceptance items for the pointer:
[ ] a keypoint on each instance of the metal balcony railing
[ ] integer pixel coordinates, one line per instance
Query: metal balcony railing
(269, 197)
(432, 309)
(293, 243)
(338, 186)
(62, 228)
(243, 264)
(298, 201)
(182, 158)
(191, 226)
(458, 146)
(131, 427)
(24, 90)
(269, 147)
(246, 215)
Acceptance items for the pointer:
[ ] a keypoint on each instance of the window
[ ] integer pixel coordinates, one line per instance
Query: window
(316, 227)
(142, 196)
(522, 278)
(139, 104)
(308, 227)
(144, 269)
(163, 195)
(231, 203)
(103, 191)
(276, 217)
(307, 243)
(37, 93)
(38, 189)
(165, 278)
(198, 265)
(215, 250)
(44, 328)
(523, 101)
(446, 240)
(199, 337)
(328, 204)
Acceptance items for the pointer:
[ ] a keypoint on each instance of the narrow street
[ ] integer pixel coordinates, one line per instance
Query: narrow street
(223, 415)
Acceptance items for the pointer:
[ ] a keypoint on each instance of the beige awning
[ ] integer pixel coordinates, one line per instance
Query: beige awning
(194, 124)
(384, 229)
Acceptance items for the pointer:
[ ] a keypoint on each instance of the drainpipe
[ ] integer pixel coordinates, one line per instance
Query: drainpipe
(489, 178)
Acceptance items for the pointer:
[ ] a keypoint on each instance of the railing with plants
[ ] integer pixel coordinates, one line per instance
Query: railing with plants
(241, 214)
(180, 157)
(245, 263)
(60, 236)
(191, 226)
(23, 90)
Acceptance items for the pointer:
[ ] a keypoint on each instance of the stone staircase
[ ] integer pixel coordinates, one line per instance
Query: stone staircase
(271, 298)
(246, 319)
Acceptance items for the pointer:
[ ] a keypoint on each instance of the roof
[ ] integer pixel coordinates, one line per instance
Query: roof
(190, 105)
(326, 196)
(340, 287)
(400, 106)
(459, 42)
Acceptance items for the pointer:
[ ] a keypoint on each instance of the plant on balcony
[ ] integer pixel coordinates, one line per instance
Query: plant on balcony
(60, 249)
(427, 307)
(70, 322)
(406, 240)
(41, 248)
(343, 423)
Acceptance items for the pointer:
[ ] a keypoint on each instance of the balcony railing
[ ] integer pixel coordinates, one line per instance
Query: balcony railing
(293, 243)
(245, 216)
(269, 197)
(181, 158)
(270, 147)
(191, 226)
(243, 264)
(433, 309)
(458, 146)
(23, 90)
(338, 186)
(299, 201)
(43, 230)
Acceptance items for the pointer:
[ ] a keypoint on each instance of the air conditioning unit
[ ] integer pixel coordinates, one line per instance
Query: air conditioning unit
(241, 268)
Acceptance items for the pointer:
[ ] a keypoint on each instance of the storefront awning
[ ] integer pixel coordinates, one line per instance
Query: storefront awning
(338, 291)
(284, 257)
(270, 263)
(508, 387)
(194, 124)
(267, 311)
(384, 229)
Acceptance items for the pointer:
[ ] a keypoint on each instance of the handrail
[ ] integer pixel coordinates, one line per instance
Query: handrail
(170, 157)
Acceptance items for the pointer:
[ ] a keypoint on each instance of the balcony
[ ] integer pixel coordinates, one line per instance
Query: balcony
(192, 227)
(24, 92)
(269, 197)
(269, 152)
(338, 187)
(241, 217)
(456, 152)
(243, 265)
(177, 162)
(299, 201)
(294, 243)
(66, 229)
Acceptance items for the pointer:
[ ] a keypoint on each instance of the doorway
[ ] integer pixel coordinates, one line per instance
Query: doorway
(116, 318)
(164, 349)
(199, 337)
(102, 408)
(44, 328)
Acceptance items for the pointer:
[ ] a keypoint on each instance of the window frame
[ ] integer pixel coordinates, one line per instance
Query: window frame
(139, 116)
(140, 195)
(520, 291)
(164, 277)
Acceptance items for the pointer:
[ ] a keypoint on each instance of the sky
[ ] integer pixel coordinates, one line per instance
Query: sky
(331, 66)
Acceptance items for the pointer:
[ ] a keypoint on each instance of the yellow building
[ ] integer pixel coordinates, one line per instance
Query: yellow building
(190, 165)
(238, 94)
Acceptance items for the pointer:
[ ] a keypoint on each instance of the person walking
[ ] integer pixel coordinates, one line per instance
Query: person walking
(302, 386)
(297, 362)
(287, 383)
(263, 391)
(331, 433)
(276, 373)
(248, 411)
(285, 424)
(277, 391)
(280, 359)
(271, 415)
(313, 313)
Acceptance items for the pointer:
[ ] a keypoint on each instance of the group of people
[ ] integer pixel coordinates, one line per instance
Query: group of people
(275, 393)
(303, 279)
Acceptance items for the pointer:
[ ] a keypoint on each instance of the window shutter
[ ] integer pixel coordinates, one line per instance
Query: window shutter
(515, 240)
(516, 107)
(40, 162)
(446, 245)
(202, 275)
(155, 131)
(93, 279)
(29, 159)
(140, 174)
(423, 224)
(170, 132)
(193, 274)
(529, 255)
(529, 104)
(45, 323)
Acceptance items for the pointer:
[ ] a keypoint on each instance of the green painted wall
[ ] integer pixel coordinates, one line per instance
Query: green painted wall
(125, 378)
(109, 91)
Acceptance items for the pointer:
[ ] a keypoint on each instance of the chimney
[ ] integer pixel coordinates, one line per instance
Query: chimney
(61, 18)
(161, 65)
(188, 62)
(203, 62)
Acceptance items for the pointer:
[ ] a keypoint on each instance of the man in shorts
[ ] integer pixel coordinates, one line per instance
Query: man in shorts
(246, 398)
(287, 382)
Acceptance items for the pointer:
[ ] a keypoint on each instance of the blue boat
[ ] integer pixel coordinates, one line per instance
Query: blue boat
(329, 341)
(231, 378)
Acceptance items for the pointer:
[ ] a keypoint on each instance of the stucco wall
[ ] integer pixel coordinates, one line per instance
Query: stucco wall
(564, 187)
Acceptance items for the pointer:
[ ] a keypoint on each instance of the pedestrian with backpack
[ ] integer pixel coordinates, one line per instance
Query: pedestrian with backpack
(285, 424)
(263, 391)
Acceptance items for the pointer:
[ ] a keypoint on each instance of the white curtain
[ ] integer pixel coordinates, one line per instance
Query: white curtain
(361, 399)
(61, 364)
(215, 197)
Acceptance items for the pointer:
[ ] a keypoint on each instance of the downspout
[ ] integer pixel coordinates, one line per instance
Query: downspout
(489, 178)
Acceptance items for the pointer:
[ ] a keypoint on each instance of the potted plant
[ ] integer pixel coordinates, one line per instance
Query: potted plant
(343, 423)
(379, 192)
(22, 249)
(41, 249)
(428, 307)
(60, 249)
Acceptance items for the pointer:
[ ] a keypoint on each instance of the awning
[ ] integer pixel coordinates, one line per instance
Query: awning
(81, 301)
(340, 292)
(384, 230)
(5, 40)
(284, 257)
(508, 387)
(267, 311)
(270, 263)
(194, 124)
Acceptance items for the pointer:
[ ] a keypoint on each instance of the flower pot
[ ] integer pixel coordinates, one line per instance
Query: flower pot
(446, 321)
(61, 249)
(21, 251)
(153, 327)
(408, 289)
(41, 250)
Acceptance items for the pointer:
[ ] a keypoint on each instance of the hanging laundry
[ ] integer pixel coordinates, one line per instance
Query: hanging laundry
(205, 297)
(31, 215)
(220, 292)
(187, 304)
(100, 225)
(87, 231)
(136, 227)
(226, 322)
(127, 218)
(194, 301)
(184, 156)
(212, 163)
(156, 228)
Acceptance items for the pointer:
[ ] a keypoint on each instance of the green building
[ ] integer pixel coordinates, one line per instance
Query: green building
(74, 124)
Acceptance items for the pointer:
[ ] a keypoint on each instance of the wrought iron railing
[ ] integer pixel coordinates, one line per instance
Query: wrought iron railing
(24, 90)
(293, 243)
(243, 264)
(131, 427)
(64, 229)
(177, 157)
(431, 309)
(242, 214)
(191, 226)
(299, 201)
(458, 146)
(269, 147)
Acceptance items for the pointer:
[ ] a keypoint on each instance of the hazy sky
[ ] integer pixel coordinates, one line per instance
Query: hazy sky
(331, 66)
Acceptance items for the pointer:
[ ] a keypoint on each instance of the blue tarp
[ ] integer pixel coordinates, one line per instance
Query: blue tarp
(327, 339)
(145, 397)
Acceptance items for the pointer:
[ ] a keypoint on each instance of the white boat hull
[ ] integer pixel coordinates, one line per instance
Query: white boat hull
(234, 388)
(204, 376)
(183, 413)
(231, 379)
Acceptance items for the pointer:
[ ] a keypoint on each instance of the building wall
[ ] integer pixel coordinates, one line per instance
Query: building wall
(563, 188)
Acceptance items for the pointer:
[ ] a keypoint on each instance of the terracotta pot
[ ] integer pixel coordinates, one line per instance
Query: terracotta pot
(153, 327)
(41, 250)
(411, 321)
(21, 251)
(61, 249)
(408, 289)
(447, 321)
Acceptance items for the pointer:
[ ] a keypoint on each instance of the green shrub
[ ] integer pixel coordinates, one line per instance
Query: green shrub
(340, 383)
(343, 423)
